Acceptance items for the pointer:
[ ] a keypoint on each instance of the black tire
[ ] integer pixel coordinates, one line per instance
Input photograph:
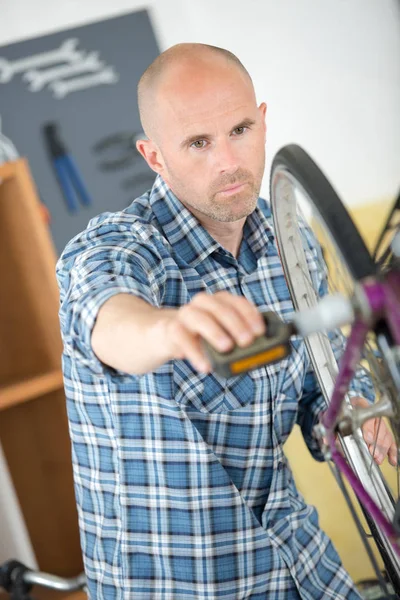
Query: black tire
(330, 207)
(349, 243)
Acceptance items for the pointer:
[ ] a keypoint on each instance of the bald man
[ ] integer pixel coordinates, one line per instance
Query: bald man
(182, 486)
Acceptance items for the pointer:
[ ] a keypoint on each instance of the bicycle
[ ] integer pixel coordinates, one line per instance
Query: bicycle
(371, 286)
(364, 316)
(17, 579)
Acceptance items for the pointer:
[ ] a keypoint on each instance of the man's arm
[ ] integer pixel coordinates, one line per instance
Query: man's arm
(129, 335)
(112, 285)
(132, 336)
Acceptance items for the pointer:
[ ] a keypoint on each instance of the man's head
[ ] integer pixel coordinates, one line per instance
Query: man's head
(206, 135)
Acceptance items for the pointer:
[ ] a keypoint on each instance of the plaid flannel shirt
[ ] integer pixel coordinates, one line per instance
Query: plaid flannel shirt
(182, 486)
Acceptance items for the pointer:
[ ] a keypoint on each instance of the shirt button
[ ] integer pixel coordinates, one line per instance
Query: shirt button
(281, 466)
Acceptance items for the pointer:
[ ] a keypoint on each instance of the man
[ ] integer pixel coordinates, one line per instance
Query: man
(182, 485)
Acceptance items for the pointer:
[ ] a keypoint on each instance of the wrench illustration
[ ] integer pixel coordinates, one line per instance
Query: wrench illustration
(39, 79)
(65, 53)
(61, 88)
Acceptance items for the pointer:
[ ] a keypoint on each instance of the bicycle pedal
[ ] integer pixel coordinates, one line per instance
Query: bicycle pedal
(269, 348)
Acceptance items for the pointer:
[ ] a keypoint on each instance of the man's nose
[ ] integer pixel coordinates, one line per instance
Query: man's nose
(226, 157)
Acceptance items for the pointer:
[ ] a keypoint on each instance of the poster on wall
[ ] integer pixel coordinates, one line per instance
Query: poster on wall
(68, 104)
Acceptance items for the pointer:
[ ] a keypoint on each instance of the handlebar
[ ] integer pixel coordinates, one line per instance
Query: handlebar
(53, 582)
(17, 579)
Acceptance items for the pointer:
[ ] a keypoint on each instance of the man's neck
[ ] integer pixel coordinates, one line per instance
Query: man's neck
(229, 235)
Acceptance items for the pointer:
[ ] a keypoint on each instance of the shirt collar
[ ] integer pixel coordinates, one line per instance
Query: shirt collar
(258, 229)
(190, 239)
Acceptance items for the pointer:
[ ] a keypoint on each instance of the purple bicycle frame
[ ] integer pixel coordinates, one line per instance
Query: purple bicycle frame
(384, 301)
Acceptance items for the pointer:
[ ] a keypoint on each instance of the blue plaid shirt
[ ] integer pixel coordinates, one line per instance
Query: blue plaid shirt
(182, 485)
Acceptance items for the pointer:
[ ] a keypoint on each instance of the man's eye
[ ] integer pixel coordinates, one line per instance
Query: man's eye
(239, 130)
(199, 144)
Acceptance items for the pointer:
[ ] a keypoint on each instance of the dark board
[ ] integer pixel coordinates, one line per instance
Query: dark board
(125, 46)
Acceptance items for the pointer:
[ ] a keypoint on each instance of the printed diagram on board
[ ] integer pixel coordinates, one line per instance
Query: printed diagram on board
(68, 70)
(68, 105)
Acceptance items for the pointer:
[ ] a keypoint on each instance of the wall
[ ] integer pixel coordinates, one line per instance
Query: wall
(14, 539)
(329, 72)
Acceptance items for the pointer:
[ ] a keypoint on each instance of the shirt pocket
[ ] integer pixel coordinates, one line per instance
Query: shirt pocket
(210, 393)
(289, 388)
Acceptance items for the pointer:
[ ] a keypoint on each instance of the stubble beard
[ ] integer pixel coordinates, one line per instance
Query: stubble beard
(219, 208)
(227, 210)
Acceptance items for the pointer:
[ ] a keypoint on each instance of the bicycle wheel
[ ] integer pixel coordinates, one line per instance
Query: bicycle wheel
(383, 252)
(305, 209)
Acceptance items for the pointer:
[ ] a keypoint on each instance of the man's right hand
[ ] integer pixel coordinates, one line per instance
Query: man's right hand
(222, 319)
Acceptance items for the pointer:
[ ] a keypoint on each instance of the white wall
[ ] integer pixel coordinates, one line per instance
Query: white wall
(330, 74)
(14, 538)
(328, 70)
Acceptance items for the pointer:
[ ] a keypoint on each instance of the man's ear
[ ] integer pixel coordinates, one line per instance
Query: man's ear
(151, 154)
(263, 110)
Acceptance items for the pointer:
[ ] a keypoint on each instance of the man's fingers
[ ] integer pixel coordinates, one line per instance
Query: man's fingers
(188, 346)
(384, 439)
(379, 438)
(247, 310)
(237, 317)
(377, 453)
(393, 455)
(369, 435)
(368, 430)
(222, 319)
(202, 323)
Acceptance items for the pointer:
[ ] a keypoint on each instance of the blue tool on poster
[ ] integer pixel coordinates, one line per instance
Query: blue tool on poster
(69, 178)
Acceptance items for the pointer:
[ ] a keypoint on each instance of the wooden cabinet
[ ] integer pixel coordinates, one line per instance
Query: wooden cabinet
(33, 423)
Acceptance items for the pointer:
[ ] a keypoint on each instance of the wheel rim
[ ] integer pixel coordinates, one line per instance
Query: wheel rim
(287, 196)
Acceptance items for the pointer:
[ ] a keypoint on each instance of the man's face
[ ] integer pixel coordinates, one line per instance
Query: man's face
(211, 141)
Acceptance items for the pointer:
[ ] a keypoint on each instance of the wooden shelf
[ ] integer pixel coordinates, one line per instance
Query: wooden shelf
(43, 594)
(34, 432)
(28, 389)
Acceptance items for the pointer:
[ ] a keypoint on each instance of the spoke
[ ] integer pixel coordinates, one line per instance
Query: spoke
(325, 243)
(306, 274)
(367, 464)
(337, 341)
(375, 442)
(364, 537)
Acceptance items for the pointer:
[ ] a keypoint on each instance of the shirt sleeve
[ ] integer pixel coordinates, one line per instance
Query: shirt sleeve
(311, 406)
(312, 403)
(106, 260)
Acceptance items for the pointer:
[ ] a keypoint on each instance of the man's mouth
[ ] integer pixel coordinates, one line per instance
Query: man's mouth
(232, 189)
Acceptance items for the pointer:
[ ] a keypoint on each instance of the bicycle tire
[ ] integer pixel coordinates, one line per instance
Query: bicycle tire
(294, 162)
(330, 207)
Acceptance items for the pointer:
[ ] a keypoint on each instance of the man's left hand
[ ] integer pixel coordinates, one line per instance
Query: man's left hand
(377, 429)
